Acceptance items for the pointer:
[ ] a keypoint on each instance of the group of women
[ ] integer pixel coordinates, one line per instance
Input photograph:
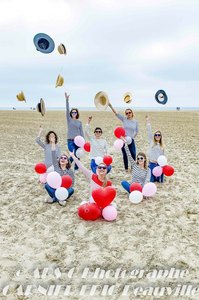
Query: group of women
(97, 174)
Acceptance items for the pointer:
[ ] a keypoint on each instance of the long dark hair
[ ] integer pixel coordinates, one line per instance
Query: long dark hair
(68, 165)
(47, 137)
(77, 116)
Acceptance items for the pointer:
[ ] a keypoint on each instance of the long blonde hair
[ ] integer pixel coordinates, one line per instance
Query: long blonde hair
(159, 142)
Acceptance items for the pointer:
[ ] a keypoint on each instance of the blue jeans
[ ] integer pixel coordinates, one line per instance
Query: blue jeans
(51, 192)
(126, 185)
(94, 166)
(153, 178)
(132, 150)
(72, 147)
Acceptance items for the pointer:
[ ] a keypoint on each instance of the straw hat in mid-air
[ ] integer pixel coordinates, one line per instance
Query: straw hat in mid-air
(61, 49)
(21, 96)
(101, 101)
(127, 97)
(41, 107)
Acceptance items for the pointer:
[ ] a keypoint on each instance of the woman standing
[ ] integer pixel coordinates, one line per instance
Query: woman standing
(74, 128)
(99, 146)
(131, 128)
(63, 167)
(51, 136)
(156, 149)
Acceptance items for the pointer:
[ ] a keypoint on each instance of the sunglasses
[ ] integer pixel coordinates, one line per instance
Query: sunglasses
(98, 131)
(64, 157)
(128, 113)
(140, 158)
(101, 167)
(157, 134)
(73, 112)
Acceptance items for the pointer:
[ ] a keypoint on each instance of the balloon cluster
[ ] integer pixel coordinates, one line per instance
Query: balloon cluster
(163, 168)
(102, 207)
(120, 132)
(137, 192)
(54, 180)
(83, 146)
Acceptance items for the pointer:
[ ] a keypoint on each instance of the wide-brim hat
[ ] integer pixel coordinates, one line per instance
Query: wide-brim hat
(161, 97)
(61, 49)
(127, 97)
(59, 81)
(41, 107)
(44, 43)
(21, 96)
(101, 100)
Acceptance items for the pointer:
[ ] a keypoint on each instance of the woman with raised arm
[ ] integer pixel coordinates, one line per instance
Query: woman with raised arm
(139, 169)
(74, 128)
(63, 167)
(50, 137)
(99, 146)
(156, 148)
(131, 128)
(97, 180)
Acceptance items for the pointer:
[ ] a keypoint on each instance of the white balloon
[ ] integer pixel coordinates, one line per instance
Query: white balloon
(79, 141)
(54, 180)
(50, 169)
(128, 140)
(61, 193)
(162, 160)
(118, 144)
(98, 160)
(135, 197)
(83, 202)
(80, 152)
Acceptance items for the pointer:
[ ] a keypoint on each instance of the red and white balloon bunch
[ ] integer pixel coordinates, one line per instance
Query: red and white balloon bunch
(54, 180)
(107, 160)
(119, 132)
(102, 207)
(163, 168)
(137, 192)
(83, 146)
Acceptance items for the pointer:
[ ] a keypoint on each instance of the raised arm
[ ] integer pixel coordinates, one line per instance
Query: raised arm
(38, 141)
(136, 129)
(54, 156)
(114, 111)
(130, 158)
(87, 127)
(148, 129)
(67, 107)
(81, 130)
(85, 171)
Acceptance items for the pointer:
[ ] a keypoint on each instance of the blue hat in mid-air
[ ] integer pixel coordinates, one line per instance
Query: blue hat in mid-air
(44, 43)
(161, 97)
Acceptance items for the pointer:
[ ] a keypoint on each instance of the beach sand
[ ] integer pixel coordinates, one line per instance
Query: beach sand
(43, 244)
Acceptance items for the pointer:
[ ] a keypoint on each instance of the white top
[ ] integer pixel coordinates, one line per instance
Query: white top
(99, 147)
(155, 149)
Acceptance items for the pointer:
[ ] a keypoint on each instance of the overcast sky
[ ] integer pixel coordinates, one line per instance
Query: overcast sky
(114, 46)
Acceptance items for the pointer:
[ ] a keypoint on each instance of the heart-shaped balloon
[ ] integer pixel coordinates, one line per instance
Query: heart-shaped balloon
(104, 196)
(89, 211)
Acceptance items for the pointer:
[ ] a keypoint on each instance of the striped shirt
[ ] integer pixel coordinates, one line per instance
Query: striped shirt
(138, 174)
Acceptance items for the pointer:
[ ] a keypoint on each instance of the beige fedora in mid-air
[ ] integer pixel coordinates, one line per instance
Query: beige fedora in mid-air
(59, 81)
(61, 49)
(41, 107)
(21, 96)
(127, 97)
(101, 101)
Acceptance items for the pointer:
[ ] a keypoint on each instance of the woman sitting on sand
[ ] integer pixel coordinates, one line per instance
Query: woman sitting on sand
(97, 180)
(74, 128)
(139, 168)
(99, 146)
(63, 167)
(155, 150)
(131, 128)
(50, 136)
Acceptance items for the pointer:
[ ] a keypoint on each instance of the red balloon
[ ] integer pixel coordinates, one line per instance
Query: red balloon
(66, 181)
(89, 211)
(119, 131)
(87, 147)
(40, 168)
(104, 196)
(135, 186)
(107, 160)
(168, 170)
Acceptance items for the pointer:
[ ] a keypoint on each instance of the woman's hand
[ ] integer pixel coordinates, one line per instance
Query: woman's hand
(72, 154)
(89, 119)
(123, 138)
(67, 96)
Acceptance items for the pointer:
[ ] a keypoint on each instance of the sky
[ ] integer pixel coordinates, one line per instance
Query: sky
(116, 46)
